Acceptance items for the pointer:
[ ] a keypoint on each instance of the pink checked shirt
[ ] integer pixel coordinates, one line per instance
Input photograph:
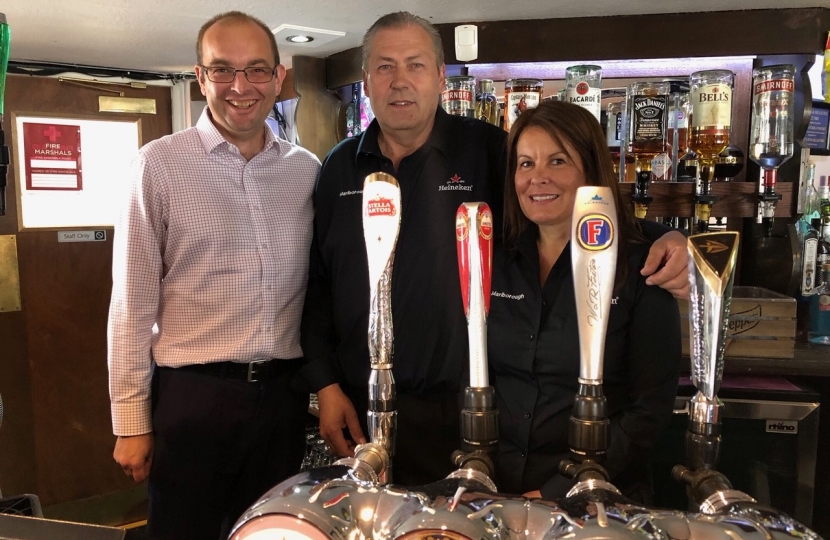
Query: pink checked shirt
(210, 261)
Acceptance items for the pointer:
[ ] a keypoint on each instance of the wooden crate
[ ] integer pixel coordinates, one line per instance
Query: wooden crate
(761, 324)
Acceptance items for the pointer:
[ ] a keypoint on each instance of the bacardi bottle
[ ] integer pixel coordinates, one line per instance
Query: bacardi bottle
(583, 86)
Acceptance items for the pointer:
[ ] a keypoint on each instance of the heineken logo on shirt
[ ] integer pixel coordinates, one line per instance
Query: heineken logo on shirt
(455, 183)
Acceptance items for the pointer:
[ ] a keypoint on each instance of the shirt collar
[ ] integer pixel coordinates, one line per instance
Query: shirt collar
(213, 139)
(440, 137)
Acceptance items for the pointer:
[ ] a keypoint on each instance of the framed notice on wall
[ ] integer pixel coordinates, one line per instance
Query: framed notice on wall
(52, 156)
(71, 172)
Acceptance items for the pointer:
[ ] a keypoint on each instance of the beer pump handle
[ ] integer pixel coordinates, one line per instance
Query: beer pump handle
(381, 223)
(594, 262)
(474, 241)
(712, 259)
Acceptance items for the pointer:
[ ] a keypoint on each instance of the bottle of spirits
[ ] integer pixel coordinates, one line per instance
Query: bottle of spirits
(822, 249)
(520, 95)
(459, 96)
(809, 252)
(583, 87)
(819, 332)
(487, 107)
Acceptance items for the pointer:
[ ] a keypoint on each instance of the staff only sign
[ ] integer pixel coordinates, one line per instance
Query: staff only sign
(53, 156)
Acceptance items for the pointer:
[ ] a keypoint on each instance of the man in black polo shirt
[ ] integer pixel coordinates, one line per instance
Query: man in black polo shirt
(440, 161)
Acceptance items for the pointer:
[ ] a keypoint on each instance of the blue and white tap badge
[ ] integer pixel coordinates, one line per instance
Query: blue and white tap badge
(595, 232)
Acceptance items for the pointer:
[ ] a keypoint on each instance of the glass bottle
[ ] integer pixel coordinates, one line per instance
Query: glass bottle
(771, 135)
(822, 248)
(819, 332)
(583, 86)
(677, 132)
(520, 95)
(647, 106)
(711, 97)
(459, 96)
(487, 106)
(615, 133)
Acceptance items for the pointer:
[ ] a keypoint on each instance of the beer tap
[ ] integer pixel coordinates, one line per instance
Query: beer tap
(712, 259)
(594, 260)
(479, 417)
(4, 150)
(381, 222)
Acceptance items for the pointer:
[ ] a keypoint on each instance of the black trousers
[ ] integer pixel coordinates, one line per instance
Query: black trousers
(429, 431)
(219, 445)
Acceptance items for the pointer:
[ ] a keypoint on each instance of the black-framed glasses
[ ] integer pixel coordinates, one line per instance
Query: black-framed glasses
(254, 74)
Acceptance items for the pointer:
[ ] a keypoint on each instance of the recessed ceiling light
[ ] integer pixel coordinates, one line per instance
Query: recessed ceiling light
(299, 39)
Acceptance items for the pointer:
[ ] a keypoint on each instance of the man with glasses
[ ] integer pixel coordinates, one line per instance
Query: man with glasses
(209, 275)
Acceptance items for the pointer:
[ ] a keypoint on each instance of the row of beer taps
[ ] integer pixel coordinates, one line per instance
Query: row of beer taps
(355, 499)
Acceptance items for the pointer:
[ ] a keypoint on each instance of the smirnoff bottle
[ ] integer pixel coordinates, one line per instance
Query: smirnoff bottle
(583, 86)
(459, 96)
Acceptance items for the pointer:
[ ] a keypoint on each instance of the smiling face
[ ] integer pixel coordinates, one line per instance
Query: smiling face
(239, 108)
(547, 176)
(403, 81)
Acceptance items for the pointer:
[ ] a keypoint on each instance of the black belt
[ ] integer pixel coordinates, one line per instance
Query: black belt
(252, 372)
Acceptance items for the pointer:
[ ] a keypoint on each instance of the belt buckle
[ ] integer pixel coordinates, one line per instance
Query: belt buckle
(252, 370)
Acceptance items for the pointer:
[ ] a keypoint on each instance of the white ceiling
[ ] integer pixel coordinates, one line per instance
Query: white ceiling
(159, 35)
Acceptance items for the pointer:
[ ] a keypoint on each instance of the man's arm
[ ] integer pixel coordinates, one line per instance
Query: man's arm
(667, 262)
(136, 273)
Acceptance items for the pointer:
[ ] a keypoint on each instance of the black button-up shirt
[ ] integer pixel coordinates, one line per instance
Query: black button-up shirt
(463, 160)
(533, 347)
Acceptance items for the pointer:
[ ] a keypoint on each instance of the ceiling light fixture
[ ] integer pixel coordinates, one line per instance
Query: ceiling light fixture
(299, 39)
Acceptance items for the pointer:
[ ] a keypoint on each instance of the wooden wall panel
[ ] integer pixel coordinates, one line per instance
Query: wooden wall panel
(318, 109)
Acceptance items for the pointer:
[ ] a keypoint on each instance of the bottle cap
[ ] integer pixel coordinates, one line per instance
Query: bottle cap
(485, 86)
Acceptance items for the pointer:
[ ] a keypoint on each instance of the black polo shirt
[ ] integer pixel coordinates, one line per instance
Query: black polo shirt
(463, 160)
(533, 345)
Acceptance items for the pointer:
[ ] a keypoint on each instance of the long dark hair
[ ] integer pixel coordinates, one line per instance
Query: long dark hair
(565, 122)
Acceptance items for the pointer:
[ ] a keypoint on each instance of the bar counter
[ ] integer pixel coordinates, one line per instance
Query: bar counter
(809, 360)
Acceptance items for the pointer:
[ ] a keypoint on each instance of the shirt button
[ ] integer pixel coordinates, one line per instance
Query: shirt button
(264, 246)
(523, 454)
(544, 302)
(531, 337)
(527, 415)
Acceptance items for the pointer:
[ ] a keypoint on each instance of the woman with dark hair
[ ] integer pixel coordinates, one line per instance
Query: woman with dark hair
(532, 328)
